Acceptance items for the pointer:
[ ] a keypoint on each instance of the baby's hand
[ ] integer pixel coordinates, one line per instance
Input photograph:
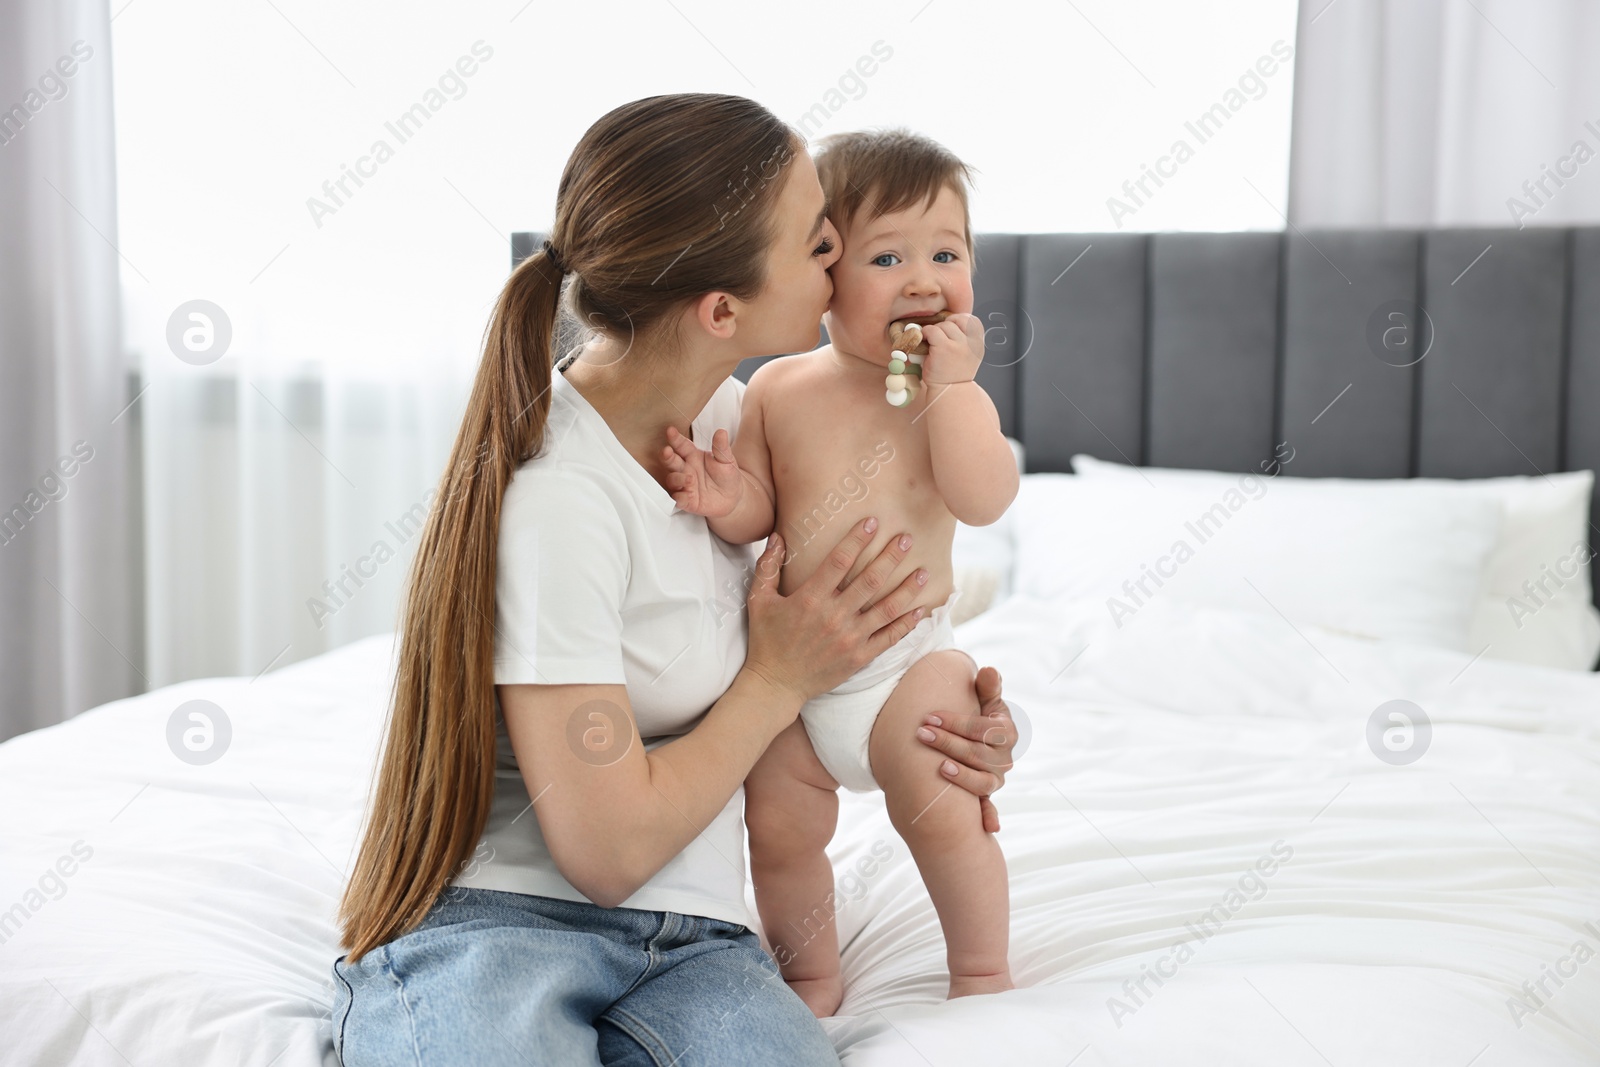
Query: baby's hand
(703, 483)
(955, 349)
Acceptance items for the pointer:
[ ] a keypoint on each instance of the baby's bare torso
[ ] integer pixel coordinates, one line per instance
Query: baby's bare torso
(840, 453)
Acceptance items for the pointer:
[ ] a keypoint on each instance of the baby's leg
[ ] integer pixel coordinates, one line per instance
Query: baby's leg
(961, 863)
(791, 806)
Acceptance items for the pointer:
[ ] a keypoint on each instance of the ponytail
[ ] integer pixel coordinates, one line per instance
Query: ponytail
(436, 781)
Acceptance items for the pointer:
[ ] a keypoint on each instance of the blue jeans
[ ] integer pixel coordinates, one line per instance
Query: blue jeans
(494, 978)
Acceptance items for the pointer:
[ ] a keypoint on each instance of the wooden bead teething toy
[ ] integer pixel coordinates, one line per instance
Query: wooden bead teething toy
(905, 368)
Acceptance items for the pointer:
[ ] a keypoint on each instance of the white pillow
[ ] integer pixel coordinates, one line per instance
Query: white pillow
(1395, 568)
(987, 553)
(1530, 612)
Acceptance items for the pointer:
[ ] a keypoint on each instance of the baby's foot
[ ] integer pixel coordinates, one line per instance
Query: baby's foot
(966, 985)
(822, 995)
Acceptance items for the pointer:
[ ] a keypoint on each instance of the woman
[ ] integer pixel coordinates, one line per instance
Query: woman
(567, 630)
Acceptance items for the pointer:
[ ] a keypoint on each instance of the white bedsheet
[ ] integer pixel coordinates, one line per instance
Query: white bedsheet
(1165, 760)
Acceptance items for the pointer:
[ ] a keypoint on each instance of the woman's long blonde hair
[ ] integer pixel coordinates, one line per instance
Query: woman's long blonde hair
(663, 200)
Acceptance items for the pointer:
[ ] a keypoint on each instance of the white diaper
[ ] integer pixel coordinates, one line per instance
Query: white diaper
(839, 722)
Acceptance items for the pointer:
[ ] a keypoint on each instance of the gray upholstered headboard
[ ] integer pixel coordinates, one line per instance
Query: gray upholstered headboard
(1455, 353)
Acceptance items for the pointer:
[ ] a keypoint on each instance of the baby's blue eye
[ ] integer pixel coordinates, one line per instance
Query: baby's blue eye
(879, 262)
(936, 256)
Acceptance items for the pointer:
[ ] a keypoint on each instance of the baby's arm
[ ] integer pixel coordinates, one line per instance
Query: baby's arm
(973, 465)
(738, 509)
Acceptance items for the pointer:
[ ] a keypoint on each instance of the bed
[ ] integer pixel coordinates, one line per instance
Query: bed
(1219, 851)
(1408, 907)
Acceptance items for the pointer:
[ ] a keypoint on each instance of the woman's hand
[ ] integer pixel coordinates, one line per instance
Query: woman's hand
(811, 640)
(703, 483)
(979, 746)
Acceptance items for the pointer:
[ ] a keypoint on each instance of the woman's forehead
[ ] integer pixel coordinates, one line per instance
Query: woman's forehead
(802, 194)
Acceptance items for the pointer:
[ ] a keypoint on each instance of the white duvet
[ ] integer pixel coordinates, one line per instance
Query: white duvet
(1209, 864)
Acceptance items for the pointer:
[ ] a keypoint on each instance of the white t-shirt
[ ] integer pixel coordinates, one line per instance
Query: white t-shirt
(602, 579)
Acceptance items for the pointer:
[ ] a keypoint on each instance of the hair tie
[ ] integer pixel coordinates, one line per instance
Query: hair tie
(550, 254)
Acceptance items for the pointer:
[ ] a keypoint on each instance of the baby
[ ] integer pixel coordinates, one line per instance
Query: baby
(931, 454)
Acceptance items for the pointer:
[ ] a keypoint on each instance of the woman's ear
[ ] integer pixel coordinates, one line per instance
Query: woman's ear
(716, 314)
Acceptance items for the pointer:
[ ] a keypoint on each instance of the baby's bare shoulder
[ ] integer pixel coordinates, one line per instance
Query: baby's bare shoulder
(801, 380)
(783, 368)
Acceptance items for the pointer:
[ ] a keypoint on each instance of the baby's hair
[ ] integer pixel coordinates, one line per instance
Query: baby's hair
(883, 171)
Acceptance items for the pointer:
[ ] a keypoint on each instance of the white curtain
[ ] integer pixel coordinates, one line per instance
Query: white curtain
(1411, 113)
(69, 534)
(284, 506)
